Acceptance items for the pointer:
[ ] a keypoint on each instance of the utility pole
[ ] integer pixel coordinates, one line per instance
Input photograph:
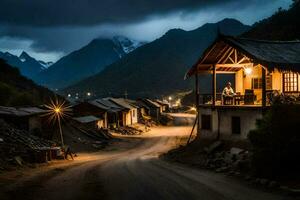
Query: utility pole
(125, 94)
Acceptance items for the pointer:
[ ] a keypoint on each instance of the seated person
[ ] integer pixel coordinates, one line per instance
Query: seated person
(228, 94)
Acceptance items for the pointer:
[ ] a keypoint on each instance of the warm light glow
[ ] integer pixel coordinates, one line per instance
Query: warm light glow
(88, 94)
(193, 108)
(170, 98)
(57, 110)
(69, 95)
(248, 70)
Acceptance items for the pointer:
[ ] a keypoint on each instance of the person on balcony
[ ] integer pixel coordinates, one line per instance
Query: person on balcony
(228, 94)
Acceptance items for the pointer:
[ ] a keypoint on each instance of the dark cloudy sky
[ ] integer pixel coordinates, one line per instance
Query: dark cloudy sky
(48, 29)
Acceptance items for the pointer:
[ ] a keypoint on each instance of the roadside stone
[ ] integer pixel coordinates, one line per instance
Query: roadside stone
(264, 181)
(236, 151)
(248, 178)
(213, 147)
(273, 184)
(18, 160)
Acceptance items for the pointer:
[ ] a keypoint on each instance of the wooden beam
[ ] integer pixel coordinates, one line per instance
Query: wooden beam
(224, 55)
(214, 86)
(197, 93)
(264, 93)
(228, 56)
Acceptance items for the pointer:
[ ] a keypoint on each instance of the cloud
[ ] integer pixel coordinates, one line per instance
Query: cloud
(59, 27)
(92, 12)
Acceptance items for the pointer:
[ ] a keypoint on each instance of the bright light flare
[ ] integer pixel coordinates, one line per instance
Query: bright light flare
(248, 70)
(57, 110)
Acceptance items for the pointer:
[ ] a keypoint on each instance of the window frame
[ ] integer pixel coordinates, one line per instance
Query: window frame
(286, 86)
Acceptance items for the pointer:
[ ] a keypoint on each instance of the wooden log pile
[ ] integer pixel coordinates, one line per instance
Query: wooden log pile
(19, 143)
(128, 130)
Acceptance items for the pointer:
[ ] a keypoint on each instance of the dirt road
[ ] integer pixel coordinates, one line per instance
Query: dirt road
(135, 172)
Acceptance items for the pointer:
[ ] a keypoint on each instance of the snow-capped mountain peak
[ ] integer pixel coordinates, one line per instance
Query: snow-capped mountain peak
(127, 44)
(45, 64)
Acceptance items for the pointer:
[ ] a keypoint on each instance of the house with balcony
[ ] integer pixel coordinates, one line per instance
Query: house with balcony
(261, 69)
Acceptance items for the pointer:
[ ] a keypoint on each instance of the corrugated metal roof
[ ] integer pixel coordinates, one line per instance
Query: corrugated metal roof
(86, 119)
(122, 102)
(26, 111)
(106, 105)
(153, 103)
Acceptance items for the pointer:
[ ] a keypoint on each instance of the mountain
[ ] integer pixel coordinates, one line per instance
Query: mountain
(127, 44)
(45, 64)
(17, 90)
(157, 68)
(87, 61)
(27, 65)
(283, 25)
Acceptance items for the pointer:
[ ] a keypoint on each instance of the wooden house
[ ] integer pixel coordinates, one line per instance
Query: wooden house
(164, 106)
(90, 122)
(261, 69)
(26, 118)
(91, 108)
(129, 114)
(155, 108)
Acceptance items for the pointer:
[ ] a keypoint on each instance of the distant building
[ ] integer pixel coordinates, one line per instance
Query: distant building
(90, 108)
(155, 108)
(130, 114)
(27, 118)
(164, 107)
(90, 121)
(261, 69)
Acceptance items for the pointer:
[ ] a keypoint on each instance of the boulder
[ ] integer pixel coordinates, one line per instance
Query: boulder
(214, 146)
(236, 151)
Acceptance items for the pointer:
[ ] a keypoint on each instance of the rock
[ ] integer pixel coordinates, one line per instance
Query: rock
(273, 184)
(237, 173)
(213, 147)
(18, 160)
(248, 178)
(236, 151)
(264, 181)
(1, 140)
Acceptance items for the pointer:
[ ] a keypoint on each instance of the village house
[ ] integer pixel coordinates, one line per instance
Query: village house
(90, 109)
(163, 105)
(90, 122)
(261, 69)
(155, 108)
(129, 114)
(27, 118)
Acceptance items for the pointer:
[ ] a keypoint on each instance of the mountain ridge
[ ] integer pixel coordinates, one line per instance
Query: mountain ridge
(158, 67)
(79, 64)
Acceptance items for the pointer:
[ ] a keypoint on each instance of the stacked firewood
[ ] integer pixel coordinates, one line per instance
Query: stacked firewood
(128, 130)
(15, 142)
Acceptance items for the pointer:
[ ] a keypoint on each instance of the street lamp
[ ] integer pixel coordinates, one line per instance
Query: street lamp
(57, 111)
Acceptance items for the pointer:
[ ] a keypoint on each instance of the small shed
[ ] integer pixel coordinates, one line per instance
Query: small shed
(164, 105)
(91, 108)
(155, 108)
(130, 116)
(25, 118)
(90, 121)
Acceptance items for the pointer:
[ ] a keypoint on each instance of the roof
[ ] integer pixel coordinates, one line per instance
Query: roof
(282, 55)
(106, 105)
(20, 112)
(141, 104)
(122, 102)
(86, 119)
(152, 103)
(161, 102)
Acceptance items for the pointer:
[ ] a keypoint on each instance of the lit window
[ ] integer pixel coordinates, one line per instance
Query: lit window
(290, 82)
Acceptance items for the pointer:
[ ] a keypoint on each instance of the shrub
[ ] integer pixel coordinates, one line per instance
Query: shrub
(276, 142)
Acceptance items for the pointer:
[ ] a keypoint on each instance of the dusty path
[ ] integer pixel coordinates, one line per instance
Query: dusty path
(135, 173)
